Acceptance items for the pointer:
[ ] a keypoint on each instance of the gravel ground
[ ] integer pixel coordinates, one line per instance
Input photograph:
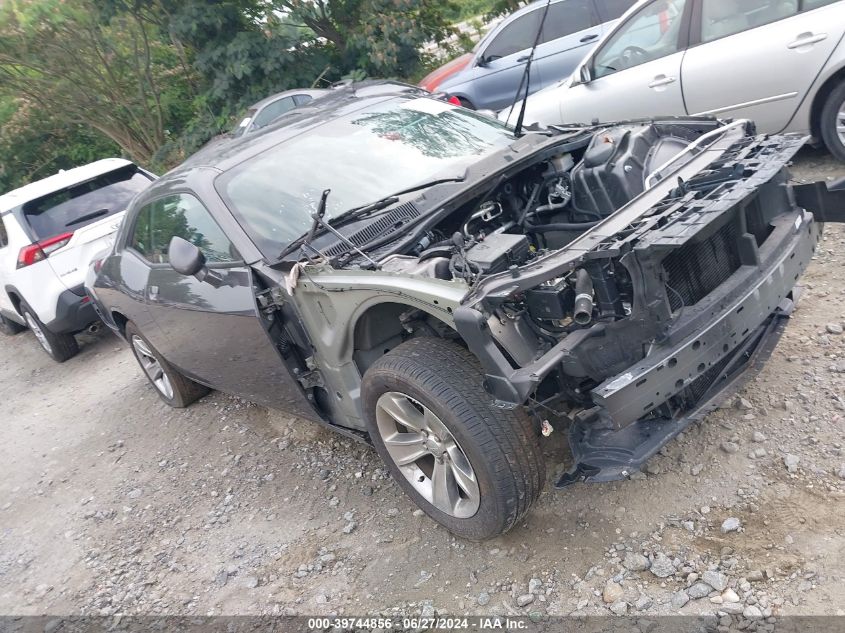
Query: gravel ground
(112, 503)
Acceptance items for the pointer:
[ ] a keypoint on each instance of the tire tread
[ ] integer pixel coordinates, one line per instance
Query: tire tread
(452, 374)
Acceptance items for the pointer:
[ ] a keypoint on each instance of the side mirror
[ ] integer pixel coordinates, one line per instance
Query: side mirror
(482, 62)
(584, 74)
(185, 258)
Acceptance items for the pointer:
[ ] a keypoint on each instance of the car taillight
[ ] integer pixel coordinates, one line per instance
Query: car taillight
(34, 253)
(454, 100)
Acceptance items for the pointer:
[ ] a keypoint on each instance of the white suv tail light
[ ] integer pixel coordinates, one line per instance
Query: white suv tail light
(34, 253)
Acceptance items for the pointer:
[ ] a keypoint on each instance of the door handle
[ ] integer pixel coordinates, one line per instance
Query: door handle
(153, 293)
(807, 39)
(524, 58)
(662, 80)
(589, 38)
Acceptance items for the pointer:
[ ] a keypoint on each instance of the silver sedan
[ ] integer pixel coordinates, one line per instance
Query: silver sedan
(780, 63)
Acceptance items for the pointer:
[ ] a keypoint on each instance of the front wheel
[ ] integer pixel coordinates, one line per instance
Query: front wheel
(471, 467)
(171, 386)
(833, 122)
(60, 347)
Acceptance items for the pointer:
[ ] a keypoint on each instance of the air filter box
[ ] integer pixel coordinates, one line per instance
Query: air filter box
(498, 252)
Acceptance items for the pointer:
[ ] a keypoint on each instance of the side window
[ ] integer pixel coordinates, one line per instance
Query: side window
(184, 216)
(613, 9)
(720, 18)
(4, 239)
(649, 34)
(517, 36)
(273, 111)
(565, 18)
(300, 99)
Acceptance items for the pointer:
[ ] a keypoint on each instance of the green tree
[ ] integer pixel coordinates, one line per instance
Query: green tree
(34, 144)
(116, 77)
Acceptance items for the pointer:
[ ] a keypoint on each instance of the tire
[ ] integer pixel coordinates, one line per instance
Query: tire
(437, 383)
(833, 116)
(59, 347)
(171, 386)
(9, 327)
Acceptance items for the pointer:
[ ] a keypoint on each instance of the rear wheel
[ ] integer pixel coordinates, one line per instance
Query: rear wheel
(833, 122)
(60, 347)
(9, 327)
(170, 385)
(471, 467)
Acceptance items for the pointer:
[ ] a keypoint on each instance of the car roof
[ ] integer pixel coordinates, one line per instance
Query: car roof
(337, 103)
(57, 182)
(279, 95)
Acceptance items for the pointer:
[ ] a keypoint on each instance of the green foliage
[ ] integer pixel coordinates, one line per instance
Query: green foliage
(466, 9)
(34, 145)
(156, 79)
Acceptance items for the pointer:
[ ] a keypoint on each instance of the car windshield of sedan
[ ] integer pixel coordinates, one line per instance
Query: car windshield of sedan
(361, 157)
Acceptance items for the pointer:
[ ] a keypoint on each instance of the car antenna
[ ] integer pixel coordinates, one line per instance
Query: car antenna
(526, 75)
(318, 221)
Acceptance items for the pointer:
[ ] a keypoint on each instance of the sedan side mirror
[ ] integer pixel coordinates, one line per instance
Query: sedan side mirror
(584, 74)
(185, 258)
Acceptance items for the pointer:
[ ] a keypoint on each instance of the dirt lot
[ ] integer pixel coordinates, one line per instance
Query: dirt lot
(110, 502)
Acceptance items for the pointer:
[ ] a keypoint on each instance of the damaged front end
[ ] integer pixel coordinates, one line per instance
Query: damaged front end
(617, 280)
(644, 323)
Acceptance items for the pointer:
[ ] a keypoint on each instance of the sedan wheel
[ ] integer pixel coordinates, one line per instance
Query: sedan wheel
(840, 124)
(832, 122)
(427, 454)
(152, 368)
(471, 467)
(172, 387)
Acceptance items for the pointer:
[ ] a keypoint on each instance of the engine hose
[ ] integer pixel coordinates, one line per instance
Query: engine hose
(544, 208)
(582, 311)
(560, 226)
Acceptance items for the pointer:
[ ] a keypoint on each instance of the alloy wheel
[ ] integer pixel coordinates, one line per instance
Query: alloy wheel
(39, 333)
(840, 123)
(427, 454)
(152, 367)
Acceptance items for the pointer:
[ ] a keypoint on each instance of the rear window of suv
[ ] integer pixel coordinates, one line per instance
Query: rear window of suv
(66, 210)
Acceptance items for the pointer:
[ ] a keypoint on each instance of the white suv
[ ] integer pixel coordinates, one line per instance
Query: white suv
(50, 231)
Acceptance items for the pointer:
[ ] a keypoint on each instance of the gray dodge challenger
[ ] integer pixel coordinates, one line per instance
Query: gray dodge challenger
(420, 277)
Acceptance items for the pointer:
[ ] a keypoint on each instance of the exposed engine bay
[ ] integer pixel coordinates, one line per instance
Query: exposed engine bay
(544, 208)
(591, 286)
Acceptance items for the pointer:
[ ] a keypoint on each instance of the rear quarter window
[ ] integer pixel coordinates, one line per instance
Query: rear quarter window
(72, 208)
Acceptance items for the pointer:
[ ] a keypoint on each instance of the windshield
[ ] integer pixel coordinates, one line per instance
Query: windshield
(648, 35)
(361, 157)
(74, 207)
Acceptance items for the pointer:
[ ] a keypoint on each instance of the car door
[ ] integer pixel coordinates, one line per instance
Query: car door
(635, 72)
(500, 63)
(211, 328)
(758, 61)
(570, 29)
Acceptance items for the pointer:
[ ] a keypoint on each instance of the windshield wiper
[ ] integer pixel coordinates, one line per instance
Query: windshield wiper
(378, 205)
(306, 238)
(355, 213)
(88, 216)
